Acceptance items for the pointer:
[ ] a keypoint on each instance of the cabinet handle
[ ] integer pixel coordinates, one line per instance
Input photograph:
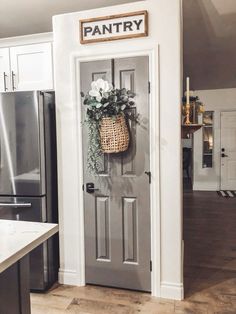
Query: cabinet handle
(4, 81)
(13, 81)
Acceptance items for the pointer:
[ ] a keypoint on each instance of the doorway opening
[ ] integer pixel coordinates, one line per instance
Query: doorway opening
(117, 213)
(209, 211)
(209, 155)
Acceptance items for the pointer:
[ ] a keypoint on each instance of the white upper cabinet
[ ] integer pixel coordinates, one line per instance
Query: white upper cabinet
(31, 67)
(4, 70)
(26, 67)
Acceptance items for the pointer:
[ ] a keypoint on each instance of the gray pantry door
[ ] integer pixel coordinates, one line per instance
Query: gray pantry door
(117, 214)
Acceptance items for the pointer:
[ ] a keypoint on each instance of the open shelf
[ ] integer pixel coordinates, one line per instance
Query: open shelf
(188, 129)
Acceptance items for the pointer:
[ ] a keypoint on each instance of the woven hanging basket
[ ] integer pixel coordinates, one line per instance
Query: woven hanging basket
(114, 134)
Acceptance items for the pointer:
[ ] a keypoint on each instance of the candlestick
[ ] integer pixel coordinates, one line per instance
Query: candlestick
(188, 114)
(187, 103)
(188, 93)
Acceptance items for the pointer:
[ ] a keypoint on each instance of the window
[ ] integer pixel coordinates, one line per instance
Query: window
(208, 139)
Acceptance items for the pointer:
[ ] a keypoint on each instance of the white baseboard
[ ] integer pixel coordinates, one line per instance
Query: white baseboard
(172, 291)
(205, 187)
(168, 290)
(69, 277)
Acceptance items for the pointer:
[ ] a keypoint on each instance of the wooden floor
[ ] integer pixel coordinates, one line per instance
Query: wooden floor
(210, 270)
(210, 249)
(210, 231)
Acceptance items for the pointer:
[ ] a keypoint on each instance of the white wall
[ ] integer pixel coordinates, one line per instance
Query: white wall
(165, 34)
(216, 100)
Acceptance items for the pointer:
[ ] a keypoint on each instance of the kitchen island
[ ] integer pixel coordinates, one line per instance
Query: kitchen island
(17, 239)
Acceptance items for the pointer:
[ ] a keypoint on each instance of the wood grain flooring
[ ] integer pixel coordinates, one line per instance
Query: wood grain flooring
(219, 298)
(209, 274)
(210, 250)
(210, 230)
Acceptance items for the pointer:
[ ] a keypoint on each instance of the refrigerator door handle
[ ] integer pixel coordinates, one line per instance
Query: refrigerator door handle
(16, 205)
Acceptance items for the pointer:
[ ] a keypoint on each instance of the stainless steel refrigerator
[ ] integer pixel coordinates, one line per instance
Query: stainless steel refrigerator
(28, 172)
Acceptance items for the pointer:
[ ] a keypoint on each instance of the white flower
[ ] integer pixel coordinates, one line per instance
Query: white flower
(94, 93)
(101, 86)
(94, 86)
(99, 89)
(99, 98)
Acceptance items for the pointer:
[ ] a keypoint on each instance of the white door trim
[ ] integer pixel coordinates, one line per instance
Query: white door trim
(220, 164)
(153, 54)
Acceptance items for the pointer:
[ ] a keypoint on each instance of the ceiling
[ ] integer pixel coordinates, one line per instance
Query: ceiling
(209, 33)
(210, 43)
(35, 16)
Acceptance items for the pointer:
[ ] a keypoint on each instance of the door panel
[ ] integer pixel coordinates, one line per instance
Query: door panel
(14, 288)
(20, 135)
(103, 227)
(117, 216)
(4, 70)
(32, 67)
(228, 150)
(91, 71)
(130, 243)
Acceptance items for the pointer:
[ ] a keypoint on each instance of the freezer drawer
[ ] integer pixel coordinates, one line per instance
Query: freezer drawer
(22, 208)
(43, 259)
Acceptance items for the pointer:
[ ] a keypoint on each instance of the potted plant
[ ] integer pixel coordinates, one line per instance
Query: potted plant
(106, 119)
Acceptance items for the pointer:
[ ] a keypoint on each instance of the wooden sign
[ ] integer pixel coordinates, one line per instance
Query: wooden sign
(114, 27)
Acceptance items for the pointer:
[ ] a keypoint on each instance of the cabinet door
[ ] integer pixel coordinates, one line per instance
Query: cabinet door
(4, 70)
(31, 67)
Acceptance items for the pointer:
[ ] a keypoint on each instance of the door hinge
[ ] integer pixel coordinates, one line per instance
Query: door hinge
(83, 187)
(149, 87)
(149, 174)
(150, 265)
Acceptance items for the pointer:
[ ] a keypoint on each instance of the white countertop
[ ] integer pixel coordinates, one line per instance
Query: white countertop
(18, 238)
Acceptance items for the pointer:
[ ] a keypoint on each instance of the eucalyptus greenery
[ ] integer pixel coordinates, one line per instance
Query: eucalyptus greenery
(103, 101)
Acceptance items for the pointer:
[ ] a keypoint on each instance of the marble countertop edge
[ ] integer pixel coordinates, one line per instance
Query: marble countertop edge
(27, 248)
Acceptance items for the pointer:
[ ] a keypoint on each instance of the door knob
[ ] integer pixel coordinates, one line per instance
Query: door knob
(90, 188)
(223, 155)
